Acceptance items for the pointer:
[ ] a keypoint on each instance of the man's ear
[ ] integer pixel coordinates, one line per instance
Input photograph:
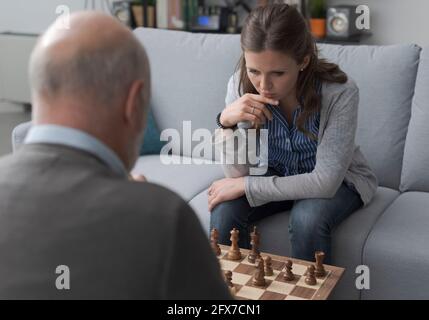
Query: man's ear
(133, 104)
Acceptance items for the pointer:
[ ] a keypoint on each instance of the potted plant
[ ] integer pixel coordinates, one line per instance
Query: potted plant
(317, 9)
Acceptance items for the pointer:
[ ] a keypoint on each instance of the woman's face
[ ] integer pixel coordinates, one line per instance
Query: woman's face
(272, 73)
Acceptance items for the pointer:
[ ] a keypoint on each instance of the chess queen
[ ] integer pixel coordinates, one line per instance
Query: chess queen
(309, 106)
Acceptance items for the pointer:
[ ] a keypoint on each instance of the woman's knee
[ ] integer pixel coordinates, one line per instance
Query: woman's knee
(307, 219)
(230, 214)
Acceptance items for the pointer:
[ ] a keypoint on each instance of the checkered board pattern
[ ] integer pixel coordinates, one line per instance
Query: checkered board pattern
(276, 287)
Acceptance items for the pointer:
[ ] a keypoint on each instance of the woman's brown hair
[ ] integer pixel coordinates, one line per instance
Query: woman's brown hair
(280, 27)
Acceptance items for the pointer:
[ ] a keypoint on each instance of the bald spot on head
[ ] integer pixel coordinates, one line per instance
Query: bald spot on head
(88, 32)
(93, 62)
(85, 25)
(93, 77)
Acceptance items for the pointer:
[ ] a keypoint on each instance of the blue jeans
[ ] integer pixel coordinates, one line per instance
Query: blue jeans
(311, 221)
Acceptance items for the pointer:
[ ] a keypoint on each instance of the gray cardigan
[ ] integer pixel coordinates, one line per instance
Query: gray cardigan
(338, 158)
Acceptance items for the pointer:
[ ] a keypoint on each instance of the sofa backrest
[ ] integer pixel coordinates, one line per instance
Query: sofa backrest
(415, 171)
(190, 73)
(386, 78)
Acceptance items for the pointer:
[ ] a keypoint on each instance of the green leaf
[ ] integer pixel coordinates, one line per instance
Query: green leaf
(317, 9)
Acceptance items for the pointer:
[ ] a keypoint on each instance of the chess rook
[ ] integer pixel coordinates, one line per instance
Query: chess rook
(320, 271)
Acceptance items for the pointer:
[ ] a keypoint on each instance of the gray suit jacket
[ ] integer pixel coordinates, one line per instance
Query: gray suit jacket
(119, 239)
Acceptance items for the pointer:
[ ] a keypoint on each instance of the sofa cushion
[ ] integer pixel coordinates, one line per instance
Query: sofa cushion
(386, 77)
(152, 143)
(396, 251)
(190, 73)
(348, 239)
(415, 174)
(188, 180)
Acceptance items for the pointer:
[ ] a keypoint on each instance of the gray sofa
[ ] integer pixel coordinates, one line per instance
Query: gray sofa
(391, 235)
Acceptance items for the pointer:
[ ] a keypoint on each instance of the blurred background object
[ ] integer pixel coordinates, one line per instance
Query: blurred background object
(317, 14)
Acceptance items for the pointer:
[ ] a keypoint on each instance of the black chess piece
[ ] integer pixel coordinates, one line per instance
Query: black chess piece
(289, 276)
(310, 278)
(320, 271)
(228, 278)
(268, 268)
(259, 278)
(214, 237)
(234, 252)
(254, 253)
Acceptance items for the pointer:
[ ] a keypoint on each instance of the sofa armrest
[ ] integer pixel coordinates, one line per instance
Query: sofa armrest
(19, 133)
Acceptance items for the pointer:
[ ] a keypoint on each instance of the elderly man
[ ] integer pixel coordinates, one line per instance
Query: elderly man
(72, 225)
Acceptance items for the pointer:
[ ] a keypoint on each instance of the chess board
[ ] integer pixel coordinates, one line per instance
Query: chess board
(276, 287)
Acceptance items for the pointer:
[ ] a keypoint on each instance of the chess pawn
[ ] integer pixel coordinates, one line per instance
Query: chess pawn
(254, 242)
(268, 268)
(251, 257)
(259, 278)
(310, 278)
(234, 252)
(320, 271)
(289, 276)
(228, 278)
(214, 237)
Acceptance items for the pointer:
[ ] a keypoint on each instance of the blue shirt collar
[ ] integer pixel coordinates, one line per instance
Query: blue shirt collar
(55, 134)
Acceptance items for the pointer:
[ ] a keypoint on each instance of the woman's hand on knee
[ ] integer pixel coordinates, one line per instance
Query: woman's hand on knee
(225, 190)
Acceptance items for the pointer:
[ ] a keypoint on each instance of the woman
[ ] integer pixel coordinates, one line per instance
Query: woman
(309, 107)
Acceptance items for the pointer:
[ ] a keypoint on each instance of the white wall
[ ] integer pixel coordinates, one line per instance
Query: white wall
(31, 16)
(28, 17)
(392, 21)
(396, 21)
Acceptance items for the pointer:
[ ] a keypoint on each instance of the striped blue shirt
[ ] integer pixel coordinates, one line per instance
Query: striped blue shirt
(291, 152)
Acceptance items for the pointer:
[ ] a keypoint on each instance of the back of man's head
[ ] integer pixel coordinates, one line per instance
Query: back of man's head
(90, 76)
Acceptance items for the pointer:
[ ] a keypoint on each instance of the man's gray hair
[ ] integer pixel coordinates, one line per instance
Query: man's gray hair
(102, 73)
